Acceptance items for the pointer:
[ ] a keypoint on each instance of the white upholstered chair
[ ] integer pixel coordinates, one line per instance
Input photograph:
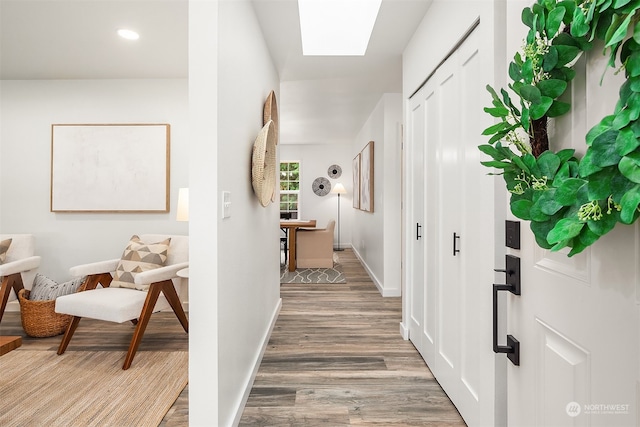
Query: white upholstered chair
(19, 267)
(314, 247)
(121, 304)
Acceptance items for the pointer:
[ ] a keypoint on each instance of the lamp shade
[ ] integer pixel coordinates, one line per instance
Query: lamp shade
(183, 205)
(339, 188)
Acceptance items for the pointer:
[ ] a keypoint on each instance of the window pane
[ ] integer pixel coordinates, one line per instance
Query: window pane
(289, 187)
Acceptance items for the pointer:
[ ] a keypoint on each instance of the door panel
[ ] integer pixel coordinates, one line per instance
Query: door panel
(455, 339)
(564, 369)
(415, 150)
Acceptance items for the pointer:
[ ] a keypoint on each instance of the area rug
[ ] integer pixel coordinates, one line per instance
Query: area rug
(89, 388)
(314, 275)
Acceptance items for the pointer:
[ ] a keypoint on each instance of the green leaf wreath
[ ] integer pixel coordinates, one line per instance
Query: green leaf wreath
(569, 202)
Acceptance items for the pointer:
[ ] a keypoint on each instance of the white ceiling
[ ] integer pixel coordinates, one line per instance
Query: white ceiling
(322, 99)
(76, 39)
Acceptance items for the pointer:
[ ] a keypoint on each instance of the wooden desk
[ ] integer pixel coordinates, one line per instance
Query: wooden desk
(292, 226)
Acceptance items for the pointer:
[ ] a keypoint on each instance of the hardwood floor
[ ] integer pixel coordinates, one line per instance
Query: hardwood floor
(336, 358)
(163, 333)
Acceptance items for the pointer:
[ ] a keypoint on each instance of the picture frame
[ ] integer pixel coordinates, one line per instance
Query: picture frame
(366, 178)
(356, 181)
(110, 167)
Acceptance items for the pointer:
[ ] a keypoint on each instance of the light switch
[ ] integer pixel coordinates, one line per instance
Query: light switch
(226, 204)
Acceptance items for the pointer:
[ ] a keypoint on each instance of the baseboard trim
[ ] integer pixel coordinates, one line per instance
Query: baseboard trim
(384, 292)
(256, 365)
(404, 331)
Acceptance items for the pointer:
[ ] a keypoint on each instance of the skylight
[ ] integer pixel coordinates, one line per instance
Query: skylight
(337, 27)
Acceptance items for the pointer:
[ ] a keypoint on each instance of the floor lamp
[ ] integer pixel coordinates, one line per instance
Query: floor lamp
(339, 189)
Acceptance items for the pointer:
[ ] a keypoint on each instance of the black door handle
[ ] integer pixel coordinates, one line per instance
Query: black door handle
(418, 227)
(512, 270)
(455, 241)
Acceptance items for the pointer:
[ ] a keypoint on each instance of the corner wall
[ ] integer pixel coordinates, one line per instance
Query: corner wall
(376, 236)
(249, 241)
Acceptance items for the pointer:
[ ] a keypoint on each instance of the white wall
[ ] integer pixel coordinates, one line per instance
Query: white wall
(376, 236)
(315, 160)
(248, 241)
(28, 108)
(203, 205)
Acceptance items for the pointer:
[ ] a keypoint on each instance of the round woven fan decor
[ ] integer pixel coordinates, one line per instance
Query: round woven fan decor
(270, 112)
(263, 164)
(321, 186)
(334, 171)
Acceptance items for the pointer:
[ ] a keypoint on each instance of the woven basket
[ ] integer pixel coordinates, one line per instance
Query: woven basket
(39, 318)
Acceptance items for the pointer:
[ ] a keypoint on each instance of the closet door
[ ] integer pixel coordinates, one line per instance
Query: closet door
(457, 199)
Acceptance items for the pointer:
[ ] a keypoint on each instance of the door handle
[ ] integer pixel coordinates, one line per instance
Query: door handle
(512, 271)
(418, 235)
(455, 241)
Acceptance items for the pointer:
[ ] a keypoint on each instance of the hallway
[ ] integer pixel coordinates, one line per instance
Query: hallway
(336, 358)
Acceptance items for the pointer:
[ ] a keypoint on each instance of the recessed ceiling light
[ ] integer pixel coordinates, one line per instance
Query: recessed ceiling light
(128, 34)
(337, 27)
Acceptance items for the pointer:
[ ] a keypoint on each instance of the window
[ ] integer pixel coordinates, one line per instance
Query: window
(289, 190)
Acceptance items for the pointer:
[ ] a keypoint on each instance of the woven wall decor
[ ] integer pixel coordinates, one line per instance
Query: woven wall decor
(263, 164)
(270, 112)
(321, 186)
(334, 171)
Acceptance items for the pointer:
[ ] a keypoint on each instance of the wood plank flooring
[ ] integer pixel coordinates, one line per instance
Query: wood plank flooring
(336, 358)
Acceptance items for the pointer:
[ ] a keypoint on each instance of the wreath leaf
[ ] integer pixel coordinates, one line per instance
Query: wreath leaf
(629, 166)
(630, 203)
(565, 229)
(626, 142)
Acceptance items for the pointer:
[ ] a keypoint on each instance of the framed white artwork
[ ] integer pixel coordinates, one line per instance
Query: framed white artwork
(366, 178)
(110, 167)
(356, 181)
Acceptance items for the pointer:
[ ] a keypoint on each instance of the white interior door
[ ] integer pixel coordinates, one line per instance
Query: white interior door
(577, 318)
(457, 203)
(416, 228)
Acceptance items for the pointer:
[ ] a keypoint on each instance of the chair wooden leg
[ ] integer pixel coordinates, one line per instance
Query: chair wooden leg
(94, 280)
(12, 281)
(68, 334)
(174, 301)
(143, 320)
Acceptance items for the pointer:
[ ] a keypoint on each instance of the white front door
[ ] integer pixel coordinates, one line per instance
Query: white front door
(577, 318)
(450, 314)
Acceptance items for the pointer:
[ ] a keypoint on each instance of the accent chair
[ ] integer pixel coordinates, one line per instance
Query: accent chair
(130, 290)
